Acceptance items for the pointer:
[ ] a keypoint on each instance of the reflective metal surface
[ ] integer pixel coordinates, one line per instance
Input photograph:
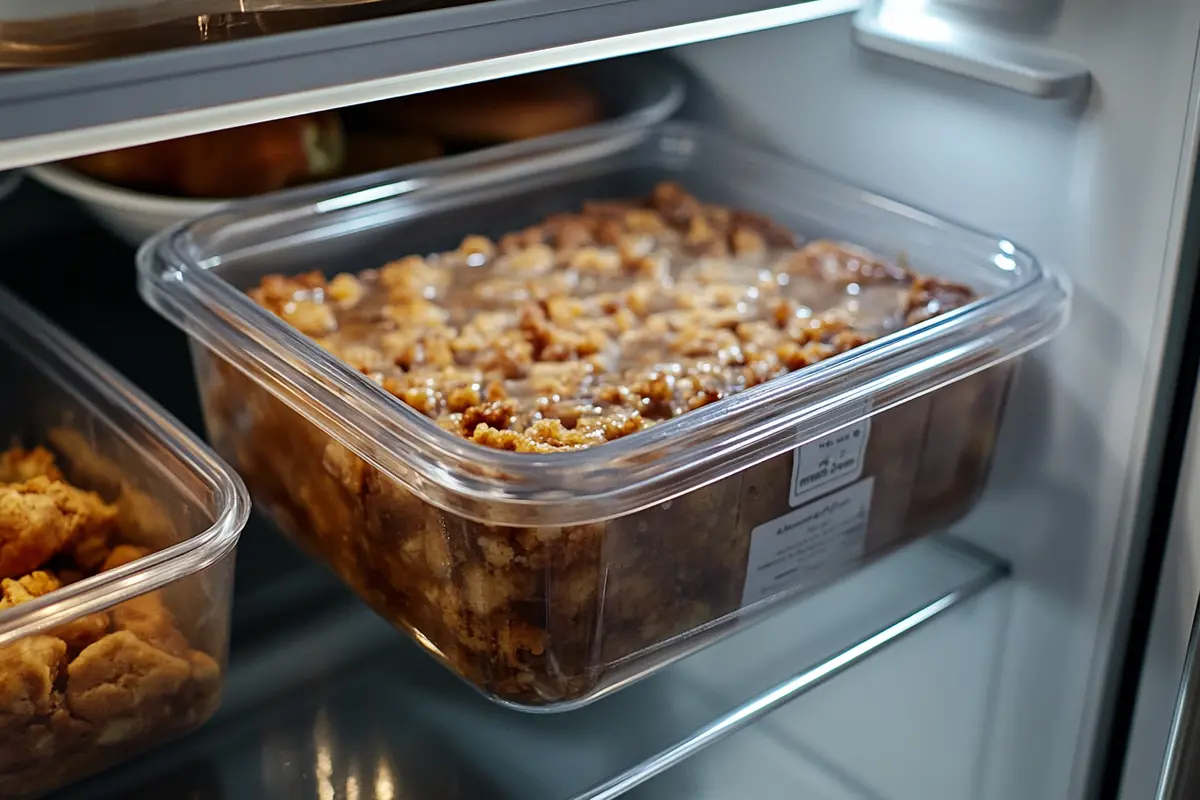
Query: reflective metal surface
(1181, 771)
(974, 39)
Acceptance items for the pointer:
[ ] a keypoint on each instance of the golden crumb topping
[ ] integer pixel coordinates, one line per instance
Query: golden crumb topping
(594, 325)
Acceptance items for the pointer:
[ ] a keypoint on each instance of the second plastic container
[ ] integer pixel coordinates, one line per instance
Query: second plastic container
(548, 580)
(115, 641)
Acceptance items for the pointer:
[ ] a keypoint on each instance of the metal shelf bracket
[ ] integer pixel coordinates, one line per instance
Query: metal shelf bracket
(919, 31)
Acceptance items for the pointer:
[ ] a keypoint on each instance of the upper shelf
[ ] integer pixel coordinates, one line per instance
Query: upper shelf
(50, 114)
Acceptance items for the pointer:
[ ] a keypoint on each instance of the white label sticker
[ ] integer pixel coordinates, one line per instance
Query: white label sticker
(810, 544)
(829, 463)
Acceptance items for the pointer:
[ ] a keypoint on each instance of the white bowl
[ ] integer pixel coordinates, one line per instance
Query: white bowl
(636, 92)
(133, 216)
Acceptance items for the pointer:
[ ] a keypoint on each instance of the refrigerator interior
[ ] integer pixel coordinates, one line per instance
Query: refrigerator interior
(1007, 694)
(323, 695)
(1100, 192)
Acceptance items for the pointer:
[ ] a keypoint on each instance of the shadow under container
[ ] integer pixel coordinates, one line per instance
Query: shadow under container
(65, 715)
(550, 580)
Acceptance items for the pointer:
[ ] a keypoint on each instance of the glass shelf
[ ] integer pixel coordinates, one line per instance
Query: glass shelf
(337, 705)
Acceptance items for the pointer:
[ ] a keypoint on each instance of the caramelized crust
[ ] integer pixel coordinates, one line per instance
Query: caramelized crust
(598, 324)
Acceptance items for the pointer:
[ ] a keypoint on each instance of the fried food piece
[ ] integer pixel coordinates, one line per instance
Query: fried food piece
(91, 548)
(18, 465)
(82, 633)
(147, 615)
(41, 517)
(300, 301)
(35, 584)
(236, 162)
(29, 669)
(206, 672)
(149, 618)
(122, 677)
(95, 522)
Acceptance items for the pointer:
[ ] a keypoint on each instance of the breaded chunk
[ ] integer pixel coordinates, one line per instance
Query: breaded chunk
(18, 465)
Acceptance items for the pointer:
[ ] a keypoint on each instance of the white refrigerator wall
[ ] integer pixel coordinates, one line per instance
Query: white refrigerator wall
(1098, 192)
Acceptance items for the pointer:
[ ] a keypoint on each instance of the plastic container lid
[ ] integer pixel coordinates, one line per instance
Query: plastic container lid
(180, 271)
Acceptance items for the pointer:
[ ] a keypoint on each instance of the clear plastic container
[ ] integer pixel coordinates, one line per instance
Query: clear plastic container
(133, 656)
(549, 580)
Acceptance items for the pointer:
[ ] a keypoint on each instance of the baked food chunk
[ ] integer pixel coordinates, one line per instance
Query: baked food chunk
(76, 698)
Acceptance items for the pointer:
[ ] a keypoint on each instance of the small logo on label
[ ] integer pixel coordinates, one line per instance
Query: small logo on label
(829, 462)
